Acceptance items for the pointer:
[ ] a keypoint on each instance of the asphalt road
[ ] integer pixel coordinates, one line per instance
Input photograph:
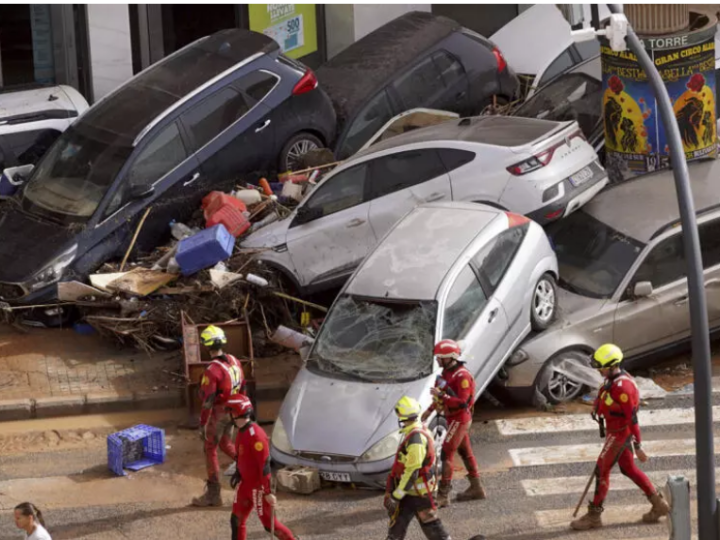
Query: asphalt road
(535, 467)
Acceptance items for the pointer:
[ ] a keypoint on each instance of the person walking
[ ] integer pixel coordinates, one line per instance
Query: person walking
(30, 520)
(410, 485)
(616, 408)
(454, 396)
(222, 378)
(252, 478)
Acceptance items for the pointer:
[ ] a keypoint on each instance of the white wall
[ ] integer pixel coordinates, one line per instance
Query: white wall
(369, 17)
(110, 46)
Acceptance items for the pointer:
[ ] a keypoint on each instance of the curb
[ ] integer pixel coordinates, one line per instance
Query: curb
(52, 407)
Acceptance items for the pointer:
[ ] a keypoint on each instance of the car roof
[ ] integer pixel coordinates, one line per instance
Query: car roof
(411, 262)
(36, 104)
(134, 105)
(508, 131)
(640, 207)
(367, 65)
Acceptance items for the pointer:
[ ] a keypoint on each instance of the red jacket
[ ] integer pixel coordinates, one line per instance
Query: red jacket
(253, 458)
(457, 401)
(618, 402)
(220, 380)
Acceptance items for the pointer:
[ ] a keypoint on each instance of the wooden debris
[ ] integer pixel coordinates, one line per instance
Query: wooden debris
(71, 291)
(141, 281)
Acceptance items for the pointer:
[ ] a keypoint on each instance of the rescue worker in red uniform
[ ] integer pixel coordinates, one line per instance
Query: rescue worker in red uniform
(222, 378)
(454, 396)
(615, 409)
(252, 475)
(411, 482)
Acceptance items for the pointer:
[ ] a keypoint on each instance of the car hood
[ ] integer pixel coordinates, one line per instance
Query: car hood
(274, 234)
(571, 305)
(333, 416)
(28, 244)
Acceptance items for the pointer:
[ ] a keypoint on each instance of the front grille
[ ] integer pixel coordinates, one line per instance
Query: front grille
(9, 291)
(319, 457)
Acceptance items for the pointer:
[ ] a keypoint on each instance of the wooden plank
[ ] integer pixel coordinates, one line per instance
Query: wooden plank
(141, 281)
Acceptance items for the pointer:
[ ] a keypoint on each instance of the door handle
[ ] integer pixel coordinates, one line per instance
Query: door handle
(712, 283)
(493, 314)
(265, 124)
(460, 95)
(435, 197)
(681, 301)
(355, 223)
(192, 179)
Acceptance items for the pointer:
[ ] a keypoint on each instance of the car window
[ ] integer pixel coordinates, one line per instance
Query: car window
(370, 119)
(213, 115)
(420, 85)
(403, 170)
(29, 146)
(465, 302)
(450, 69)
(664, 264)
(587, 49)
(257, 85)
(158, 158)
(344, 190)
(561, 64)
(453, 158)
(493, 261)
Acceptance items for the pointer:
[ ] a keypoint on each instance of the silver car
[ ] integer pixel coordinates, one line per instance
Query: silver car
(622, 280)
(448, 270)
(543, 169)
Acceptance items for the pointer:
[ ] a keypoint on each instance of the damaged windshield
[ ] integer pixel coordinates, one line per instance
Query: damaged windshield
(73, 177)
(376, 340)
(593, 258)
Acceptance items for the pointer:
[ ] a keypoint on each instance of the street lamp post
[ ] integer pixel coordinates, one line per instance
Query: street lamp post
(705, 452)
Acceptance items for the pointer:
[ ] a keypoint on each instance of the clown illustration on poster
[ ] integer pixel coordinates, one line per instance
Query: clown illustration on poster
(635, 139)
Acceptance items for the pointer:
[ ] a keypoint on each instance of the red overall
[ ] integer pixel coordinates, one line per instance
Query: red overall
(221, 380)
(617, 402)
(457, 403)
(253, 464)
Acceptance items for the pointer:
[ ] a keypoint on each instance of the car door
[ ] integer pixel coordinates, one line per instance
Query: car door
(422, 85)
(374, 115)
(456, 83)
(399, 182)
(643, 324)
(331, 234)
(471, 315)
(710, 245)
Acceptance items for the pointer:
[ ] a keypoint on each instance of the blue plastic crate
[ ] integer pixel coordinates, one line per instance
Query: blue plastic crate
(204, 249)
(152, 452)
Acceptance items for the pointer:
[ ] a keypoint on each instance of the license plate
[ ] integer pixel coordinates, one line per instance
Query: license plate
(335, 476)
(582, 176)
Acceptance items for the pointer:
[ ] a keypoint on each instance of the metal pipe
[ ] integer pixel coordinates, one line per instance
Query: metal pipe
(704, 446)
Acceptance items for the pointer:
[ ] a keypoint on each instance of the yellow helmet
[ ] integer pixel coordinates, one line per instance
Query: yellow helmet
(213, 336)
(407, 408)
(607, 356)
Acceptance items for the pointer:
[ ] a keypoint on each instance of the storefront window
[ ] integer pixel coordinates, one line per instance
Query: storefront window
(26, 45)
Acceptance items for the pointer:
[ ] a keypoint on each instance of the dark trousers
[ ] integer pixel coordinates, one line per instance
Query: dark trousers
(420, 507)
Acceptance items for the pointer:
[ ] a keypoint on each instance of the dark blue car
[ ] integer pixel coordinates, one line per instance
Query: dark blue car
(199, 120)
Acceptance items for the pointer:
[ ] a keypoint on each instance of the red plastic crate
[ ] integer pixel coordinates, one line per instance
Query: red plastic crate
(215, 200)
(233, 219)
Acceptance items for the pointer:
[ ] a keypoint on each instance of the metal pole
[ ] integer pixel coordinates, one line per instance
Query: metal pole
(705, 452)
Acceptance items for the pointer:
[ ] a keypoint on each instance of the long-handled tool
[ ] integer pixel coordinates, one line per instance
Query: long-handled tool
(587, 486)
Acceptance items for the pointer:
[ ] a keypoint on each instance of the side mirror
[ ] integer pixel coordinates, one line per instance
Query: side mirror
(642, 289)
(305, 214)
(140, 192)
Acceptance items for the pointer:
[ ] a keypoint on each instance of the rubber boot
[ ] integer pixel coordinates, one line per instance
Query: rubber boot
(591, 520)
(659, 509)
(435, 530)
(211, 497)
(475, 492)
(443, 494)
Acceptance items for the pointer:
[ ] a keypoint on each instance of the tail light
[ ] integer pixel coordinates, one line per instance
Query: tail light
(306, 84)
(515, 220)
(538, 161)
(501, 63)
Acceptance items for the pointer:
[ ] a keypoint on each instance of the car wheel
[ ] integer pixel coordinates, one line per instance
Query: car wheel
(544, 303)
(559, 388)
(293, 150)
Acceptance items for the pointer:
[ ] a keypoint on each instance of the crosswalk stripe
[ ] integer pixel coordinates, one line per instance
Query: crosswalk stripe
(612, 515)
(539, 487)
(583, 422)
(578, 453)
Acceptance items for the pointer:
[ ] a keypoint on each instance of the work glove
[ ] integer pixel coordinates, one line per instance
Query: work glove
(391, 505)
(235, 479)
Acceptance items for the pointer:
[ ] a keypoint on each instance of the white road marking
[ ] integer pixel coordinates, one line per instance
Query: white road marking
(613, 515)
(578, 453)
(583, 422)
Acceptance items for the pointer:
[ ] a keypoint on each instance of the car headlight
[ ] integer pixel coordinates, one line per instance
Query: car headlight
(517, 358)
(53, 271)
(280, 439)
(383, 449)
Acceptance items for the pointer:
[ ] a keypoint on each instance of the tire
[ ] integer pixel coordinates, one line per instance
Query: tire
(296, 146)
(558, 388)
(543, 306)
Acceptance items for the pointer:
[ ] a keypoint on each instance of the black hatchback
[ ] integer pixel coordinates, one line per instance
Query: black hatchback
(200, 119)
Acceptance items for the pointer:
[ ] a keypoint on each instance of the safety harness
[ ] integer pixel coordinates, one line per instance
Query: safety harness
(426, 472)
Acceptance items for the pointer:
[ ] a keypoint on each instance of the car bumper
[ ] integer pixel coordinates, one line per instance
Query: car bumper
(372, 473)
(574, 198)
(14, 293)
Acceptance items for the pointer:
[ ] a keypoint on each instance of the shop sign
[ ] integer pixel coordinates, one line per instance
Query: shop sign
(293, 26)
